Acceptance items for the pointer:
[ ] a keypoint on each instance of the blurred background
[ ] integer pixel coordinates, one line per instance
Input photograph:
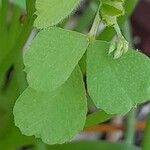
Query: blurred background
(16, 33)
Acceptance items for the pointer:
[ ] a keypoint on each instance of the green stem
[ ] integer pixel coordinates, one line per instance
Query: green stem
(117, 29)
(87, 17)
(130, 126)
(129, 135)
(127, 32)
(146, 139)
(93, 32)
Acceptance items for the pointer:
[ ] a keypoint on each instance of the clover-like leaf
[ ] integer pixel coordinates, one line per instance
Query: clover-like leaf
(51, 12)
(52, 57)
(110, 10)
(117, 85)
(55, 117)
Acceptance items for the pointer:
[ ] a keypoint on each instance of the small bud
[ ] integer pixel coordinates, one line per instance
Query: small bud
(118, 53)
(126, 46)
(112, 47)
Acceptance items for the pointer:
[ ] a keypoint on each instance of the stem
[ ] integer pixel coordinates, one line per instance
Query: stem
(129, 136)
(130, 126)
(117, 29)
(146, 140)
(127, 33)
(93, 32)
(87, 17)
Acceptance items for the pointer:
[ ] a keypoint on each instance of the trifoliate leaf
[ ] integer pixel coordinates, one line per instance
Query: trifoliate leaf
(55, 117)
(117, 85)
(51, 12)
(110, 10)
(52, 57)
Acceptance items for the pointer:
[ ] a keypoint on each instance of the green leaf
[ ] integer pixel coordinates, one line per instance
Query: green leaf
(20, 3)
(117, 85)
(54, 117)
(95, 145)
(111, 10)
(52, 57)
(51, 12)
